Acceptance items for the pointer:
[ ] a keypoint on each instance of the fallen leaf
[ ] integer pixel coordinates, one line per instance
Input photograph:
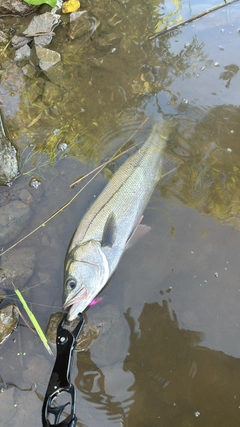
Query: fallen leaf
(70, 6)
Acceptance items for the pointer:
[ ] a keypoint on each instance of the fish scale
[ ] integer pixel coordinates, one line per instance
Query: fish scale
(110, 222)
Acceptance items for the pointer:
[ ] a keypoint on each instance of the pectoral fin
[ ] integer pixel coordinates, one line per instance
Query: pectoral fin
(109, 231)
(139, 231)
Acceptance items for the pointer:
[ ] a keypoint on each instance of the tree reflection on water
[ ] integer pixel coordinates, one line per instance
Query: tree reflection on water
(170, 379)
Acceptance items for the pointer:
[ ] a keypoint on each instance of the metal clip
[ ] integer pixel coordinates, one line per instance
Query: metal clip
(60, 379)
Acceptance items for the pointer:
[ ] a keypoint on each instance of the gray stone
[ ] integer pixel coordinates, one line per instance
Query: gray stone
(33, 91)
(19, 41)
(8, 158)
(58, 76)
(29, 71)
(16, 208)
(76, 15)
(16, 7)
(82, 24)
(44, 58)
(9, 317)
(111, 344)
(22, 52)
(13, 217)
(42, 25)
(51, 93)
(43, 40)
(3, 38)
(17, 266)
(35, 182)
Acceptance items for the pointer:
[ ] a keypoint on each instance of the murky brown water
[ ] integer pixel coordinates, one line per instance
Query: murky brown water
(168, 353)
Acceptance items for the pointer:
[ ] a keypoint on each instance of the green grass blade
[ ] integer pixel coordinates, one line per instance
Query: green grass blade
(33, 320)
(51, 3)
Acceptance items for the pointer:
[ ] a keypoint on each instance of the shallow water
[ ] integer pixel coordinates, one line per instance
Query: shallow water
(169, 349)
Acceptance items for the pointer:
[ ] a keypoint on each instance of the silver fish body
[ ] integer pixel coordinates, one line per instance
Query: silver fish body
(111, 221)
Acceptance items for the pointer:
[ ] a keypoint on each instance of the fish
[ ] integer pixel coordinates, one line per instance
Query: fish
(112, 223)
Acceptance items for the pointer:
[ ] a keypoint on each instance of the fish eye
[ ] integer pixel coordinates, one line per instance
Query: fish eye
(71, 284)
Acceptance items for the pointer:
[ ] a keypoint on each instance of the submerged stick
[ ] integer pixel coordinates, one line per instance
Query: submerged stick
(193, 18)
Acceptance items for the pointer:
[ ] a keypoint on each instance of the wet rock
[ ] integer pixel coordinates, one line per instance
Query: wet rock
(51, 93)
(111, 344)
(44, 58)
(19, 41)
(109, 39)
(58, 76)
(22, 52)
(33, 91)
(88, 333)
(13, 217)
(17, 266)
(42, 25)
(29, 71)
(62, 146)
(43, 40)
(75, 16)
(15, 7)
(104, 331)
(8, 158)
(3, 38)
(16, 208)
(82, 24)
(35, 182)
(12, 81)
(9, 317)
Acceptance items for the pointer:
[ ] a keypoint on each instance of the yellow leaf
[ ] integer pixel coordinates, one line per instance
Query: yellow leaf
(70, 6)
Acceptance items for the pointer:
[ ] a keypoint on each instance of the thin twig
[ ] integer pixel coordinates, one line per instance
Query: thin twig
(5, 48)
(193, 18)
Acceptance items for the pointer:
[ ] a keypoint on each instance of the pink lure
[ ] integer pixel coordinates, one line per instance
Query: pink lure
(95, 301)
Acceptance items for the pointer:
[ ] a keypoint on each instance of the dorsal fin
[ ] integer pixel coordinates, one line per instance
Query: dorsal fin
(109, 231)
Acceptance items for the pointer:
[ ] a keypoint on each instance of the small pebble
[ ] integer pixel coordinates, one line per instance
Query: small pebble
(62, 146)
(35, 182)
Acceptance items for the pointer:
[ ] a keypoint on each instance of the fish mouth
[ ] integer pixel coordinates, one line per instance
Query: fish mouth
(74, 302)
